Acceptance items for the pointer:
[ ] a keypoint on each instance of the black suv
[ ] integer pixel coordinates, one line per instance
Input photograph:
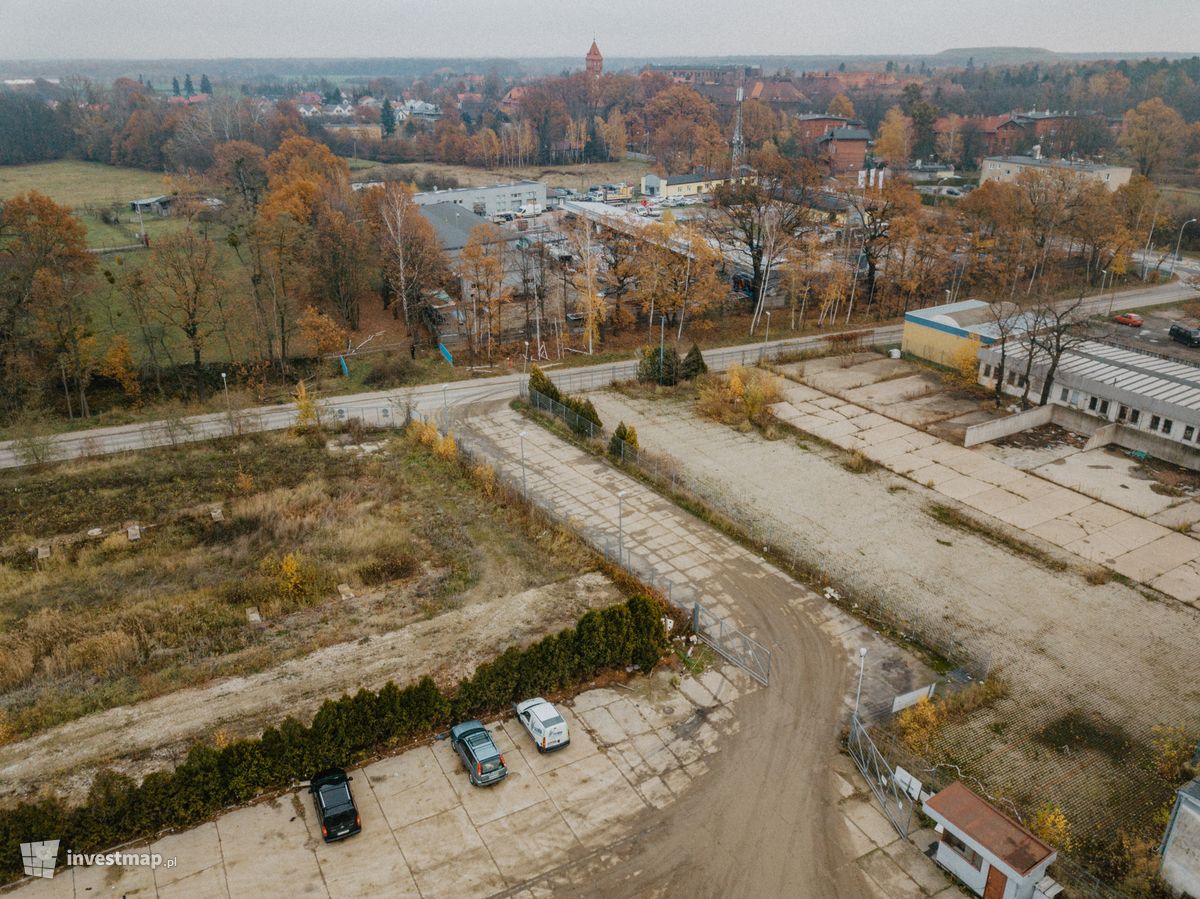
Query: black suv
(335, 805)
(481, 758)
(1186, 335)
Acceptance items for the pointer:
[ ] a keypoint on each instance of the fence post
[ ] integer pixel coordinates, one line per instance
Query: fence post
(695, 618)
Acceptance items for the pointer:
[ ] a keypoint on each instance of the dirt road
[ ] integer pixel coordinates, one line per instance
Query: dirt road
(156, 734)
(762, 822)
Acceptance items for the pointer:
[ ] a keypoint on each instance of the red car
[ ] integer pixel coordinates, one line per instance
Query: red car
(1132, 319)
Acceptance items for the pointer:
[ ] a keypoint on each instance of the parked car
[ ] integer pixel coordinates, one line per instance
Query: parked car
(1132, 319)
(1186, 335)
(544, 723)
(477, 749)
(336, 811)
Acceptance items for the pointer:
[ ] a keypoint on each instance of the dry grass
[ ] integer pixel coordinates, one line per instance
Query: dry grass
(107, 621)
(739, 397)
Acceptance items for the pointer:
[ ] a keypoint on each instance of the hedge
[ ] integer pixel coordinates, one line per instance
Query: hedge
(343, 731)
(539, 382)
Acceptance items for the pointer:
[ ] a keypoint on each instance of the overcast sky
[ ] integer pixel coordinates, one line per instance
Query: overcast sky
(144, 29)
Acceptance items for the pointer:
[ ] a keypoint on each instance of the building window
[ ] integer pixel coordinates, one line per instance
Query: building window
(987, 371)
(1154, 422)
(1122, 413)
(1063, 394)
(1092, 404)
(1104, 407)
(969, 855)
(1187, 432)
(1166, 428)
(1134, 416)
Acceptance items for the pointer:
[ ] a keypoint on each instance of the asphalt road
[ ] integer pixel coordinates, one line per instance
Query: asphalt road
(377, 408)
(386, 407)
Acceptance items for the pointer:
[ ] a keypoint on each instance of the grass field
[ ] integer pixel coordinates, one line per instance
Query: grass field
(77, 184)
(105, 621)
(578, 177)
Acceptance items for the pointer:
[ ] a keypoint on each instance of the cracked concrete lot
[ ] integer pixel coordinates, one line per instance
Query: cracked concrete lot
(428, 832)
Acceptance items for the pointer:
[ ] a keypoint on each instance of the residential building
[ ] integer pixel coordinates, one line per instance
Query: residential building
(594, 61)
(489, 201)
(1008, 168)
(680, 185)
(809, 127)
(844, 149)
(993, 855)
(693, 75)
(1137, 391)
(1181, 842)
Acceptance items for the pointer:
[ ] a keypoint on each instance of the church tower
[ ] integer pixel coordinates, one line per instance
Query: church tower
(594, 61)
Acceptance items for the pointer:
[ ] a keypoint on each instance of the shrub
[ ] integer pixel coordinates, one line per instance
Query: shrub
(693, 364)
(631, 437)
(1174, 746)
(620, 435)
(917, 724)
(741, 397)
(389, 564)
(342, 732)
(659, 366)
(541, 383)
(1051, 826)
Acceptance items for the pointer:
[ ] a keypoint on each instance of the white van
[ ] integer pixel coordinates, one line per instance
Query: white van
(544, 723)
(528, 212)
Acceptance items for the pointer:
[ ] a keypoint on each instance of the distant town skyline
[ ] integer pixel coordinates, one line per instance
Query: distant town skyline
(65, 29)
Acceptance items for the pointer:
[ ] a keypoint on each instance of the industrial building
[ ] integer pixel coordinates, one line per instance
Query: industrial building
(1134, 390)
(950, 333)
(1007, 168)
(488, 201)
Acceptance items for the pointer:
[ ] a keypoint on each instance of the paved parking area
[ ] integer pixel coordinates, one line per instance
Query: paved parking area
(1097, 532)
(428, 832)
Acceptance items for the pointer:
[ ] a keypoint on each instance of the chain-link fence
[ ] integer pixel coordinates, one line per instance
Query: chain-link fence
(585, 427)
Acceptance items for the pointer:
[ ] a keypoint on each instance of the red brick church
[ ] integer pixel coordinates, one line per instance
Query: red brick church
(594, 61)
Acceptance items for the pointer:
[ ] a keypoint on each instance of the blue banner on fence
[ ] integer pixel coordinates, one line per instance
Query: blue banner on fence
(445, 352)
(345, 368)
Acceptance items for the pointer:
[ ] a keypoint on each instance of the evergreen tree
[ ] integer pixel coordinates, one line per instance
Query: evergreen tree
(175, 86)
(205, 85)
(188, 87)
(387, 118)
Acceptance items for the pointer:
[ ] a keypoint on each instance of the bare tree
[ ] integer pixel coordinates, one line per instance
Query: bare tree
(1060, 330)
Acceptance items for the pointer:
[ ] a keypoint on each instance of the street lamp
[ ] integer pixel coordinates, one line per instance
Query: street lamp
(767, 334)
(620, 526)
(1178, 242)
(947, 294)
(862, 661)
(524, 482)
(228, 405)
(662, 333)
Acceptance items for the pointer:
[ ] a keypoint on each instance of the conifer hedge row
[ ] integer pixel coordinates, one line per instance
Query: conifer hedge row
(343, 731)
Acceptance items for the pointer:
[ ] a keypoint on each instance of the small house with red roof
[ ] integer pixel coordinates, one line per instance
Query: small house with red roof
(988, 851)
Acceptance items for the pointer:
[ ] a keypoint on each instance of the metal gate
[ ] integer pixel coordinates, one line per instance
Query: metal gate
(894, 793)
(747, 654)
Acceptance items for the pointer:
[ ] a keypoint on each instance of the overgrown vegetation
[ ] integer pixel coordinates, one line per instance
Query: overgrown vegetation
(740, 397)
(105, 621)
(343, 732)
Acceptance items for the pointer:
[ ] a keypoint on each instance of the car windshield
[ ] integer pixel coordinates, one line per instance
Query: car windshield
(552, 721)
(335, 796)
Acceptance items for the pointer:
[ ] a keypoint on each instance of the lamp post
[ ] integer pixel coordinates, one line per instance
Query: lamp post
(662, 333)
(1178, 242)
(620, 526)
(767, 333)
(228, 404)
(524, 482)
(862, 661)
